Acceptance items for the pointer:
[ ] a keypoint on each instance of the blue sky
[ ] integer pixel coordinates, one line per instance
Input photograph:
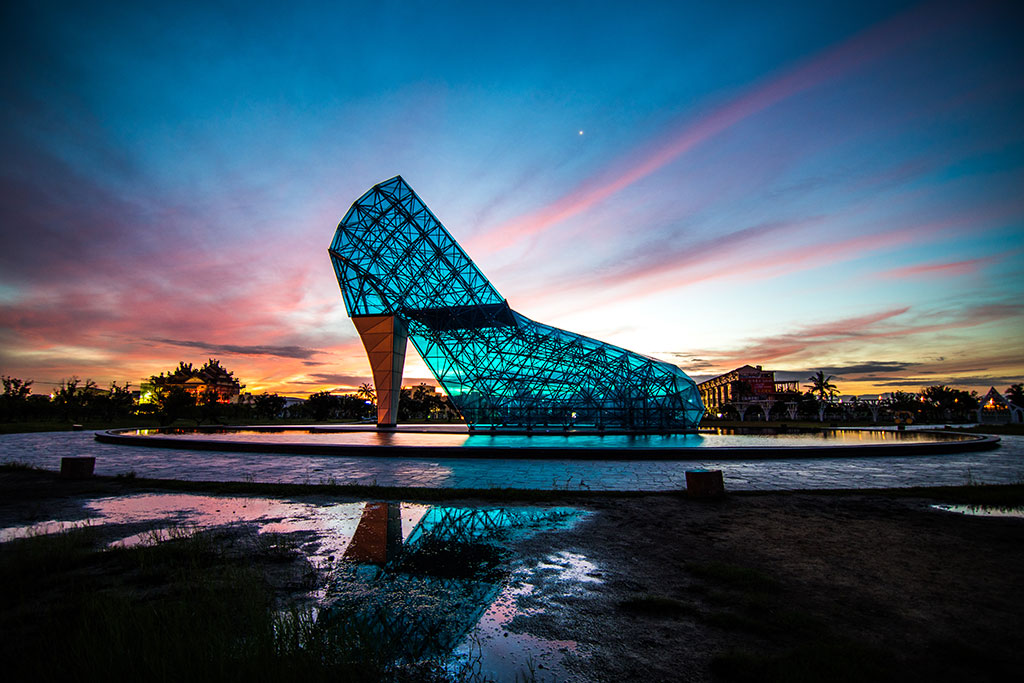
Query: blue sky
(798, 185)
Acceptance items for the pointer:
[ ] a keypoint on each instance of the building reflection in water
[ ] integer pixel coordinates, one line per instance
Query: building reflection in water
(418, 596)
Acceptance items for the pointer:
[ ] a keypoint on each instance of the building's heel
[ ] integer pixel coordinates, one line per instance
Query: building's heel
(384, 337)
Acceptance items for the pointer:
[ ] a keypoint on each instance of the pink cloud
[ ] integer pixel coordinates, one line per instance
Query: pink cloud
(946, 269)
(831, 335)
(784, 345)
(743, 255)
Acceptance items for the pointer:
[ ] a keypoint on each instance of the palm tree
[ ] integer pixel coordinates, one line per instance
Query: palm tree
(366, 391)
(822, 386)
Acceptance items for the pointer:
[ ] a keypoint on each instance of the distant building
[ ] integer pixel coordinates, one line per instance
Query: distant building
(211, 378)
(995, 409)
(746, 383)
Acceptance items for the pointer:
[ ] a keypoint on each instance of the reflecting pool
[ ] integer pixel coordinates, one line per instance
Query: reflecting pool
(460, 438)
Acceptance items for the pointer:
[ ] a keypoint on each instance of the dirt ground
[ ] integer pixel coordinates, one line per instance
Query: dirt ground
(781, 586)
(795, 586)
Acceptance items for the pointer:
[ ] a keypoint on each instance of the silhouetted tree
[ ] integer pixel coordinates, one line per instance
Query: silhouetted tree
(1015, 394)
(14, 403)
(353, 407)
(210, 408)
(19, 389)
(121, 400)
(321, 405)
(822, 386)
(117, 402)
(904, 400)
(175, 402)
(267, 405)
(420, 403)
(949, 402)
(367, 391)
(70, 400)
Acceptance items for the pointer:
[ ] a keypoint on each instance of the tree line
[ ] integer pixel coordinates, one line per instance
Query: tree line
(169, 401)
(76, 401)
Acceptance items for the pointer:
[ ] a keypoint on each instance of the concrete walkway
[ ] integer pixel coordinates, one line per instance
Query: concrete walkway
(1005, 464)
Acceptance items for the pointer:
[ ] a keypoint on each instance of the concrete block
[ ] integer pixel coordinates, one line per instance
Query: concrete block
(704, 483)
(77, 467)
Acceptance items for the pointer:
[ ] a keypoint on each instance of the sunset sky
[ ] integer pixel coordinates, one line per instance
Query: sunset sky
(804, 185)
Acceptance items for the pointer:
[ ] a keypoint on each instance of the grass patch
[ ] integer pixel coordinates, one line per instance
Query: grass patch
(186, 608)
(18, 466)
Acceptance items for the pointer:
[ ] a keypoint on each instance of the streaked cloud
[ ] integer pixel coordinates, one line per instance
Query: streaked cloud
(868, 367)
(242, 350)
(945, 269)
(883, 325)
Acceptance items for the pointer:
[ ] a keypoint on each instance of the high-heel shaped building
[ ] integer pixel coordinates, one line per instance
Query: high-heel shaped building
(404, 277)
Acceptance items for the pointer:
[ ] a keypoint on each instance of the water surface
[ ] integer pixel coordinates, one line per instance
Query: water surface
(983, 510)
(450, 438)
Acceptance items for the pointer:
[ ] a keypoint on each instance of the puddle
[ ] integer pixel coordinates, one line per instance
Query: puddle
(172, 514)
(450, 589)
(496, 651)
(984, 510)
(425, 582)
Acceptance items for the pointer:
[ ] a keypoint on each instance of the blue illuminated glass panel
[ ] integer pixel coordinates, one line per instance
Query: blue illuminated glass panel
(393, 257)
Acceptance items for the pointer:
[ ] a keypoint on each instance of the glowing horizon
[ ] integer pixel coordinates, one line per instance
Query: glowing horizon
(811, 187)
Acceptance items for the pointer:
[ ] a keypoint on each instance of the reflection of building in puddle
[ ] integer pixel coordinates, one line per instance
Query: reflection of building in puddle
(984, 510)
(419, 594)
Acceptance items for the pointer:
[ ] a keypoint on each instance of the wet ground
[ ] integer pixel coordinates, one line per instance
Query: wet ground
(858, 586)
(1005, 464)
(428, 581)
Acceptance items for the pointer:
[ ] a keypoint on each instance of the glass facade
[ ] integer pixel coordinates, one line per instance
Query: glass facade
(393, 257)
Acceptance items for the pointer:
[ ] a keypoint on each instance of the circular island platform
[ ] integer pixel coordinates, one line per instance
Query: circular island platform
(456, 441)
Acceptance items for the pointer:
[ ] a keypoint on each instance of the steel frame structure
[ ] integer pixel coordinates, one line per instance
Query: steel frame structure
(403, 275)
